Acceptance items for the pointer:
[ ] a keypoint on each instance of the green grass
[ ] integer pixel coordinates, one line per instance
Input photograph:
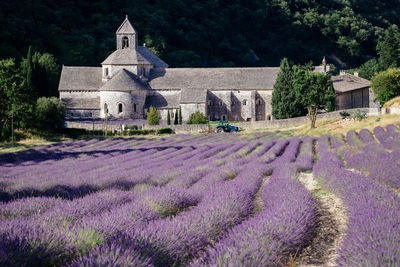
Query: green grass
(8, 147)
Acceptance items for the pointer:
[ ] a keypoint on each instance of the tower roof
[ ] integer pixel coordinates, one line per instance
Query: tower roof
(126, 27)
(124, 80)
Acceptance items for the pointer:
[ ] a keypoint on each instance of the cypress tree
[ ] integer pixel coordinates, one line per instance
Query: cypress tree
(29, 68)
(180, 116)
(168, 118)
(176, 117)
(284, 102)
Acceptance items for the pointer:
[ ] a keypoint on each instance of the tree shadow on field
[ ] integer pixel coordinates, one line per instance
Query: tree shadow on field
(34, 156)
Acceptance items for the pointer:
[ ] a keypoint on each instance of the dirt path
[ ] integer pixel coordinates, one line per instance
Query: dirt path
(331, 226)
(258, 202)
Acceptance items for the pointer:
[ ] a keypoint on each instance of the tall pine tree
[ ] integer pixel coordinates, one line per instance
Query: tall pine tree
(284, 102)
(168, 118)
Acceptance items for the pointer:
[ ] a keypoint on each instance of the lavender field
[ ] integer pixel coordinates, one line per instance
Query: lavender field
(198, 200)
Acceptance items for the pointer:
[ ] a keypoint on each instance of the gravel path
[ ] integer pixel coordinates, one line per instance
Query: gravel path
(331, 226)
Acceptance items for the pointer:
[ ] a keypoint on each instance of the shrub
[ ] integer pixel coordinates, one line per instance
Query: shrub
(165, 131)
(386, 85)
(153, 117)
(197, 118)
(50, 114)
(142, 132)
(344, 114)
(360, 114)
(168, 118)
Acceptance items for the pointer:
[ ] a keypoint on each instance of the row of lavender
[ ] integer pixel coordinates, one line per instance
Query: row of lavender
(187, 200)
(176, 206)
(366, 175)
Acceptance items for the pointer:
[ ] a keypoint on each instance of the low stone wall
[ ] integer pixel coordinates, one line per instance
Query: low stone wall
(91, 126)
(184, 128)
(299, 120)
(195, 128)
(390, 110)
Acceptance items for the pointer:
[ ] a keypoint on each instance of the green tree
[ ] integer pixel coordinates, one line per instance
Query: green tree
(389, 49)
(153, 117)
(168, 118)
(197, 118)
(176, 119)
(386, 85)
(15, 97)
(314, 90)
(42, 73)
(180, 116)
(368, 69)
(50, 114)
(284, 102)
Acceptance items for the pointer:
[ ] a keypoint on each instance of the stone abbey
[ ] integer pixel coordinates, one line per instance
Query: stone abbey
(132, 79)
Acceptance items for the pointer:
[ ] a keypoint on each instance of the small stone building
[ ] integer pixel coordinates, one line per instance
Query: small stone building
(353, 92)
(132, 79)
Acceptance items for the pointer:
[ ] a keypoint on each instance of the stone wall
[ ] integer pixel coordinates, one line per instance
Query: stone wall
(184, 128)
(190, 128)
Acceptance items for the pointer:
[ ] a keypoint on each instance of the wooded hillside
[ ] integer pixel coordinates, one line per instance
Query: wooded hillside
(200, 33)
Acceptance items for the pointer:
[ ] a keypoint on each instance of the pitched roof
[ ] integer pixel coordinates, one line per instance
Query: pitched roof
(82, 103)
(126, 57)
(126, 27)
(214, 78)
(347, 82)
(124, 80)
(80, 78)
(193, 95)
(158, 100)
(153, 59)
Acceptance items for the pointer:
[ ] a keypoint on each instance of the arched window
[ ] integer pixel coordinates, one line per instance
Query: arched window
(220, 103)
(119, 108)
(259, 101)
(244, 102)
(172, 114)
(268, 117)
(209, 102)
(106, 72)
(134, 107)
(125, 42)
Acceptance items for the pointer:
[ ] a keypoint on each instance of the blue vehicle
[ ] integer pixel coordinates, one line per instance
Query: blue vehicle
(224, 127)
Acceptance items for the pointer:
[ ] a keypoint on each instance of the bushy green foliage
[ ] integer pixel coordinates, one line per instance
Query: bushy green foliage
(284, 102)
(153, 117)
(42, 72)
(197, 118)
(165, 131)
(344, 114)
(368, 69)
(16, 98)
(389, 49)
(50, 114)
(360, 114)
(314, 90)
(386, 85)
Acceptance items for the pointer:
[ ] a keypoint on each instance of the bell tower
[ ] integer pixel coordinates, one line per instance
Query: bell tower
(127, 36)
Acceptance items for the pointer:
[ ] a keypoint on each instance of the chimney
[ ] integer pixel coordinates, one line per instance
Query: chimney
(356, 73)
